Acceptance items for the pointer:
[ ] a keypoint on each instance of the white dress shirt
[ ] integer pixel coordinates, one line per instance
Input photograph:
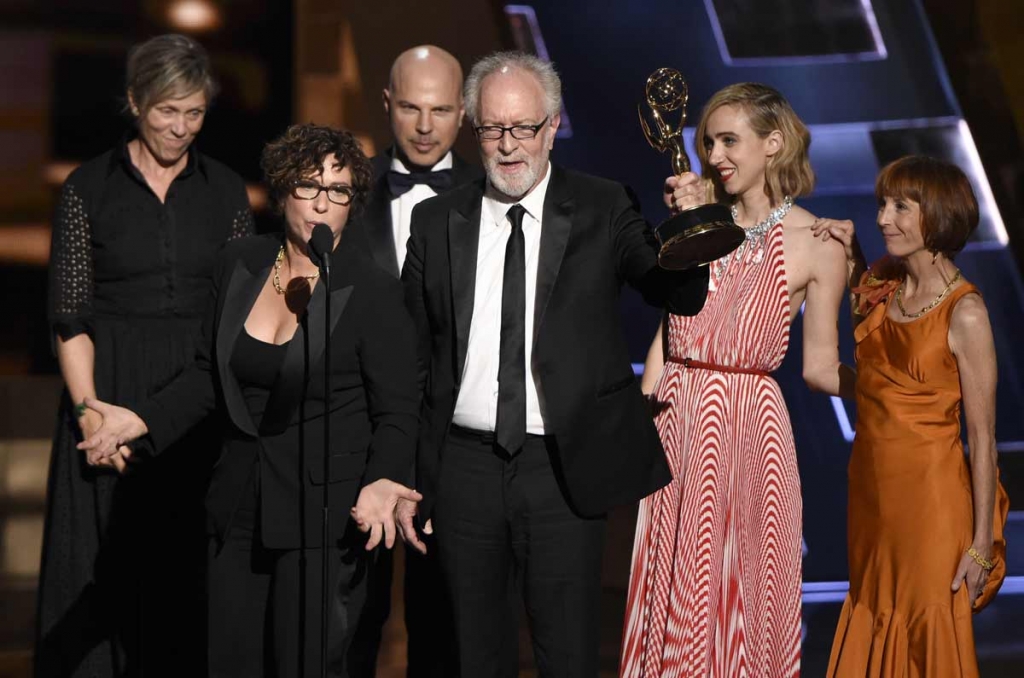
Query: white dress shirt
(477, 406)
(401, 207)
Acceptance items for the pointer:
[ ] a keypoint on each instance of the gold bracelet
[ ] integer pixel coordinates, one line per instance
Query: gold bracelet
(980, 559)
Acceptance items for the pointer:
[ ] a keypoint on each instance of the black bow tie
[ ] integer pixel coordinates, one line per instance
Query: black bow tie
(401, 182)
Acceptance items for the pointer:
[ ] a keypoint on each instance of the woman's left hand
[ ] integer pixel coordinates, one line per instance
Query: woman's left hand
(972, 573)
(374, 511)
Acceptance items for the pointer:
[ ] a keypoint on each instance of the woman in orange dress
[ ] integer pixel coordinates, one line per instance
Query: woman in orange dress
(925, 527)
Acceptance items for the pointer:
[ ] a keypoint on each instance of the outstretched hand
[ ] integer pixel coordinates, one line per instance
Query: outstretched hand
(375, 510)
(405, 515)
(120, 426)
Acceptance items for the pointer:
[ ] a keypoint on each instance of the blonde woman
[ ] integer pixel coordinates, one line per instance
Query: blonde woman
(715, 585)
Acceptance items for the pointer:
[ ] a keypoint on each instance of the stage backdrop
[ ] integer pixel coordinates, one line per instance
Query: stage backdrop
(867, 78)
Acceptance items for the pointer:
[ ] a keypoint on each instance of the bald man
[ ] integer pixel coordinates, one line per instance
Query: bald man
(423, 101)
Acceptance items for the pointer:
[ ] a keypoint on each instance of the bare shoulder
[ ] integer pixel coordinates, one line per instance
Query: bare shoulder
(798, 219)
(804, 245)
(970, 313)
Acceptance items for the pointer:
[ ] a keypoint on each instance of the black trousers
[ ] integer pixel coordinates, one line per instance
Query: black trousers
(264, 604)
(505, 529)
(430, 628)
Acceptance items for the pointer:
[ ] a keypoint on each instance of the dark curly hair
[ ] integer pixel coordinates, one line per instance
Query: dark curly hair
(300, 152)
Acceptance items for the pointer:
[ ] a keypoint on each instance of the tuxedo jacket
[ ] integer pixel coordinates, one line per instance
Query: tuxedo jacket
(374, 226)
(592, 241)
(374, 396)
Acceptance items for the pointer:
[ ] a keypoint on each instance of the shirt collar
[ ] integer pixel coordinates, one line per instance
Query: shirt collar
(442, 164)
(533, 203)
(122, 159)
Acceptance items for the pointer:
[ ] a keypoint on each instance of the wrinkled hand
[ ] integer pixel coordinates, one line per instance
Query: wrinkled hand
(120, 426)
(972, 573)
(118, 462)
(89, 423)
(405, 515)
(376, 507)
(841, 230)
(685, 191)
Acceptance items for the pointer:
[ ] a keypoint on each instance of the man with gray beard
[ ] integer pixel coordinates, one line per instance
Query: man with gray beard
(533, 424)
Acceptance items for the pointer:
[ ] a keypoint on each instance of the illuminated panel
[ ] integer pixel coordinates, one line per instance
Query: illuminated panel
(527, 37)
(788, 32)
(950, 140)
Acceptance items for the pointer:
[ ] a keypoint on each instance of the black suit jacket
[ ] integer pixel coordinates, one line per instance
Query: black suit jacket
(592, 240)
(374, 228)
(374, 396)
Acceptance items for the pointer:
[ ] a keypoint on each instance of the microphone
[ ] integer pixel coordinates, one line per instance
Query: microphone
(320, 245)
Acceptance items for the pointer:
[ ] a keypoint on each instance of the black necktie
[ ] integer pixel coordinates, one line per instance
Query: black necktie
(402, 182)
(510, 430)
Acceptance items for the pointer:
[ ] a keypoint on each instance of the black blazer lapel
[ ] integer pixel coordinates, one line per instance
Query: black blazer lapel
(559, 205)
(379, 229)
(307, 341)
(463, 244)
(242, 290)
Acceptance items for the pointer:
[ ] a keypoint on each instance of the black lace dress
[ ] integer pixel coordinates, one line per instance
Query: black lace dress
(121, 581)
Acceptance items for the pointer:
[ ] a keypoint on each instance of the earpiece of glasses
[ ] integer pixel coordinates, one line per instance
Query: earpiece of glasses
(521, 132)
(307, 190)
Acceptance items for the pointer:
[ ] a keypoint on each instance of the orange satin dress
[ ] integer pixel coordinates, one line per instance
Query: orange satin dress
(910, 515)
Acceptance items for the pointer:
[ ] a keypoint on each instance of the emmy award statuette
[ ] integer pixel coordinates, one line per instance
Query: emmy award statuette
(698, 235)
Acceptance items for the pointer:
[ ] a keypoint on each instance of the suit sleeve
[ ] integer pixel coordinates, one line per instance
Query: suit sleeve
(387, 361)
(187, 400)
(636, 248)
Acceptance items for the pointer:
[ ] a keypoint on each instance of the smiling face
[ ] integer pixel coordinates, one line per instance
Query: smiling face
(736, 153)
(169, 126)
(424, 104)
(508, 98)
(899, 220)
(301, 216)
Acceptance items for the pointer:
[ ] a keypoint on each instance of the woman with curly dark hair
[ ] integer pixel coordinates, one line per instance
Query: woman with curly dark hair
(258, 365)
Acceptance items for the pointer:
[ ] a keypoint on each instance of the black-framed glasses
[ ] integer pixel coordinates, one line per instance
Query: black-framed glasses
(336, 193)
(521, 132)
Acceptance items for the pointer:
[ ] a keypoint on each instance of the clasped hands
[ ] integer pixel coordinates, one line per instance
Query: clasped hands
(382, 507)
(106, 431)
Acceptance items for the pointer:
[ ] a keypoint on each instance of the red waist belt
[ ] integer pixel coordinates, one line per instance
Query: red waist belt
(700, 365)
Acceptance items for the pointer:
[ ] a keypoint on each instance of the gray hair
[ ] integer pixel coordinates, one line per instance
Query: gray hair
(167, 66)
(542, 70)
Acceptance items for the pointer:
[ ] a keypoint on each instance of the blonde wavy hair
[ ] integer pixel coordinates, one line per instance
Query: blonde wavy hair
(789, 170)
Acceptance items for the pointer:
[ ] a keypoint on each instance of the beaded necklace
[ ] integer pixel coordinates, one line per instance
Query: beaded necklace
(277, 272)
(754, 236)
(935, 302)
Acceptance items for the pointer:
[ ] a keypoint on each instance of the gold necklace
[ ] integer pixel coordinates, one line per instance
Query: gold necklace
(277, 272)
(935, 302)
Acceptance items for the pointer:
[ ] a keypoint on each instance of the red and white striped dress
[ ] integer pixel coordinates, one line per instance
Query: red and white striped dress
(715, 584)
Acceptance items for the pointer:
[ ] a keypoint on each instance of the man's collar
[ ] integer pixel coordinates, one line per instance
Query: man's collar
(444, 163)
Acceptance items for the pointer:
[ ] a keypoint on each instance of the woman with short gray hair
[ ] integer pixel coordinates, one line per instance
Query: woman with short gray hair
(136, 232)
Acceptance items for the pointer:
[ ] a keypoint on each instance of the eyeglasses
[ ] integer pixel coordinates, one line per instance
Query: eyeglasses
(521, 132)
(307, 190)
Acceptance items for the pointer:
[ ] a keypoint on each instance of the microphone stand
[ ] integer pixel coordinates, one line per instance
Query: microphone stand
(325, 274)
(321, 245)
